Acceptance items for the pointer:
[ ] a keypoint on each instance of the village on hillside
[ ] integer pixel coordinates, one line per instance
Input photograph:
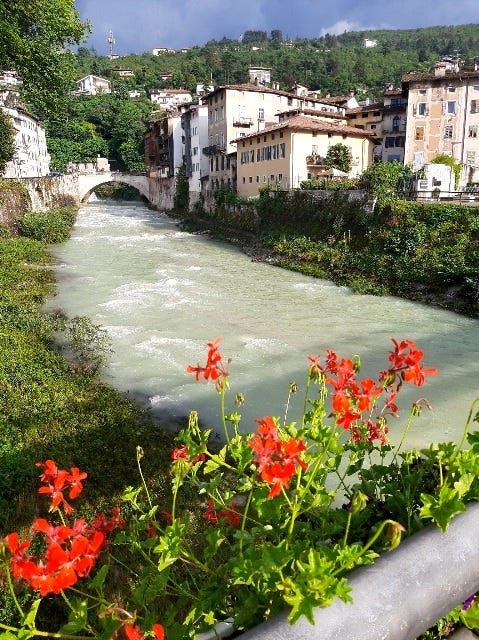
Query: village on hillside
(251, 135)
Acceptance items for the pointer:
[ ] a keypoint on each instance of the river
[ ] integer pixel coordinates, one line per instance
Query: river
(162, 293)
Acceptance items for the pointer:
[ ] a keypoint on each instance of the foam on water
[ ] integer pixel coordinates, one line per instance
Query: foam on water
(162, 294)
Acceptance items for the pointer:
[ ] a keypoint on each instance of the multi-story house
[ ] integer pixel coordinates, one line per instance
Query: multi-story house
(393, 126)
(443, 117)
(194, 121)
(368, 117)
(91, 85)
(235, 111)
(283, 154)
(31, 156)
(170, 99)
(10, 85)
(164, 146)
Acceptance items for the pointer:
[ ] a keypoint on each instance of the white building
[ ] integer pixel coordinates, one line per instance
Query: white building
(92, 85)
(31, 156)
(170, 99)
(194, 122)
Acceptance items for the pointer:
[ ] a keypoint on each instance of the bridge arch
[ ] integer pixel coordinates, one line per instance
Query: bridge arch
(87, 183)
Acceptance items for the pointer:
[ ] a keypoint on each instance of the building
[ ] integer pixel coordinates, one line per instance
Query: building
(259, 75)
(393, 126)
(194, 122)
(123, 73)
(92, 85)
(170, 99)
(294, 150)
(443, 117)
(164, 146)
(10, 85)
(235, 111)
(369, 43)
(31, 158)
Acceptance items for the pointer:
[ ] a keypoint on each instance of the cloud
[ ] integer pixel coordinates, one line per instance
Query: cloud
(140, 25)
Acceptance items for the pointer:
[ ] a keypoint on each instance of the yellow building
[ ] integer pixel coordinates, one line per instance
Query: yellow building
(294, 150)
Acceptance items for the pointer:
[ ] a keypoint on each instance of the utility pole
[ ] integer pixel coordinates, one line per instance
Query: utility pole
(111, 42)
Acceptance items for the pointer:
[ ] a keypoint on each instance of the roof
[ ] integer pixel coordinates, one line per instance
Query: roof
(374, 106)
(262, 89)
(171, 91)
(397, 91)
(305, 123)
(462, 74)
(334, 115)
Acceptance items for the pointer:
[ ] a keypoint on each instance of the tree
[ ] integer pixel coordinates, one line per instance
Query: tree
(339, 157)
(276, 37)
(449, 161)
(7, 140)
(255, 37)
(32, 40)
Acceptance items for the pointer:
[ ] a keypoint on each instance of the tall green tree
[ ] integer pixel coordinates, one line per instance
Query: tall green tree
(7, 140)
(339, 157)
(33, 34)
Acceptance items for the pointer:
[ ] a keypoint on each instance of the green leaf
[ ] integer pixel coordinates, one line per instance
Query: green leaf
(97, 582)
(29, 620)
(77, 619)
(442, 509)
(470, 617)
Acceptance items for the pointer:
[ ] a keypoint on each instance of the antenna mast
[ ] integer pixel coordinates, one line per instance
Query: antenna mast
(111, 42)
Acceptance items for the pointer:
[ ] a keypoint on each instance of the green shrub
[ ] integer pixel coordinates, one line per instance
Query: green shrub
(50, 226)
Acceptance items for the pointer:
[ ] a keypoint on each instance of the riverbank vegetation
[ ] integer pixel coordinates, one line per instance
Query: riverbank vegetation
(182, 552)
(422, 251)
(51, 407)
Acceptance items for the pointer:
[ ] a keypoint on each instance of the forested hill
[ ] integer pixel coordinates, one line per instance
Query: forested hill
(333, 64)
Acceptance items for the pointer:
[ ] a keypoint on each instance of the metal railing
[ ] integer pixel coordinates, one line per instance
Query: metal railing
(404, 593)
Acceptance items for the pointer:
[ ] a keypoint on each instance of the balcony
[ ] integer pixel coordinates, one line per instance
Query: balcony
(242, 122)
(315, 160)
(212, 149)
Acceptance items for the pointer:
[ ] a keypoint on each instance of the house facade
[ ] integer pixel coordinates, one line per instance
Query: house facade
(194, 122)
(393, 126)
(287, 153)
(164, 147)
(31, 157)
(170, 99)
(236, 111)
(92, 85)
(443, 117)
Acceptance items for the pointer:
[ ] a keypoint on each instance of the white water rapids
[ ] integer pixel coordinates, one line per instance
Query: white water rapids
(162, 293)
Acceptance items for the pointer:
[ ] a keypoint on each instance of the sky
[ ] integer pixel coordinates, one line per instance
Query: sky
(140, 25)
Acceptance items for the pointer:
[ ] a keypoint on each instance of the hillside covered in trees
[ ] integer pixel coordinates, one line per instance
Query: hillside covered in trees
(114, 125)
(332, 64)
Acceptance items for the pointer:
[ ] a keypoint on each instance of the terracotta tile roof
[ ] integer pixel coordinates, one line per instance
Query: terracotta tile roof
(335, 115)
(414, 76)
(393, 92)
(279, 92)
(374, 106)
(305, 123)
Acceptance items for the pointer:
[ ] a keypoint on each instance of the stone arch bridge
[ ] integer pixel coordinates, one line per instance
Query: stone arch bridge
(89, 181)
(50, 191)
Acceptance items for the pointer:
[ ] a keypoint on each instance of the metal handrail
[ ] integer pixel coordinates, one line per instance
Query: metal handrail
(404, 593)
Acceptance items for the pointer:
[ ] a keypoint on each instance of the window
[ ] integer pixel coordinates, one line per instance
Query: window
(260, 113)
(280, 176)
(422, 109)
(451, 89)
(244, 180)
(257, 178)
(474, 106)
(451, 107)
(373, 126)
(250, 179)
(419, 133)
(475, 88)
(396, 121)
(470, 158)
(272, 177)
(448, 130)
(473, 130)
(389, 142)
(422, 92)
(418, 157)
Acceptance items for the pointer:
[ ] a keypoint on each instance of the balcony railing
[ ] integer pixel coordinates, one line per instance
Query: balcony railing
(242, 122)
(315, 160)
(214, 148)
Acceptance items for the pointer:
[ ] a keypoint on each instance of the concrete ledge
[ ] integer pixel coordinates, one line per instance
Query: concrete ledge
(402, 595)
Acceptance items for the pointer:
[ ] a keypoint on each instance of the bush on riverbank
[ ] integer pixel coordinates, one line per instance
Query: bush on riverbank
(50, 407)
